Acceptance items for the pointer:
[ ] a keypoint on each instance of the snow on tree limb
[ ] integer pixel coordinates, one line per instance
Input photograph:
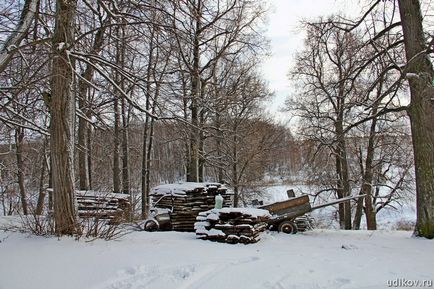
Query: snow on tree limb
(15, 38)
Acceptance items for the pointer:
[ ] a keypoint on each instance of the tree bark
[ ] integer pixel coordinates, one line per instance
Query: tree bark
(89, 155)
(193, 176)
(62, 109)
(368, 174)
(343, 184)
(116, 148)
(235, 166)
(83, 129)
(19, 138)
(146, 129)
(219, 139)
(42, 191)
(421, 112)
(125, 150)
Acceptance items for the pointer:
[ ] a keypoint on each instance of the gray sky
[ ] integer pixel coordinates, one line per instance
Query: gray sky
(286, 38)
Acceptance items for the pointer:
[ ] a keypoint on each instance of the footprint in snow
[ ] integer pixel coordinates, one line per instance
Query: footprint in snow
(348, 247)
(245, 261)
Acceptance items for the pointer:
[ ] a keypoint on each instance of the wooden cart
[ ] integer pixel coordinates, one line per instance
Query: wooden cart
(283, 213)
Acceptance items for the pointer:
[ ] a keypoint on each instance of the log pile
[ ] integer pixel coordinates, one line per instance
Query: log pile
(186, 200)
(232, 225)
(101, 205)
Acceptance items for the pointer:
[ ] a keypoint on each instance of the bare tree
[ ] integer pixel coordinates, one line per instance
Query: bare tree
(345, 90)
(205, 32)
(420, 74)
(62, 108)
(326, 68)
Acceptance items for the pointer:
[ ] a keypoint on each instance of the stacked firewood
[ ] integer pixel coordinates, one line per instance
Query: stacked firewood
(103, 205)
(232, 225)
(186, 200)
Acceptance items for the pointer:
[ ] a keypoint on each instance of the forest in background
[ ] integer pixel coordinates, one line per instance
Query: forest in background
(123, 95)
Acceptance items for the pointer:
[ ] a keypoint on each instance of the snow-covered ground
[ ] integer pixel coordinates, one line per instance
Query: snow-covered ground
(166, 260)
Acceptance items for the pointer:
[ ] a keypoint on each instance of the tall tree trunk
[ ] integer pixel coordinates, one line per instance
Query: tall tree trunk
(366, 188)
(89, 154)
(368, 174)
(50, 181)
(187, 143)
(42, 191)
(149, 143)
(193, 176)
(360, 201)
(421, 112)
(83, 129)
(219, 139)
(146, 129)
(125, 150)
(19, 138)
(62, 109)
(344, 188)
(235, 167)
(201, 161)
(116, 148)
(342, 161)
(124, 113)
(371, 221)
(145, 170)
(146, 165)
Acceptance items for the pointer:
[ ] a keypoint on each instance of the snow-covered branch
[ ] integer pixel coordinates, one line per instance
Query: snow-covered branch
(15, 38)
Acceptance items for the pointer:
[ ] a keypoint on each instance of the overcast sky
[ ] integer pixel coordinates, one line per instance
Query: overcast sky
(286, 38)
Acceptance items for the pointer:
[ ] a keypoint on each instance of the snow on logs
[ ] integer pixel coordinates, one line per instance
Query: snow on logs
(103, 205)
(186, 200)
(232, 225)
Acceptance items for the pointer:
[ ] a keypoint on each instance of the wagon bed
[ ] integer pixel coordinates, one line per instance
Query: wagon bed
(284, 213)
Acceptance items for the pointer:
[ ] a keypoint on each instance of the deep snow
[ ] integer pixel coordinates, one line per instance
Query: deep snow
(165, 260)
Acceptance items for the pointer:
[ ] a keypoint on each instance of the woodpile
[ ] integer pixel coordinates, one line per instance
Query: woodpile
(186, 200)
(101, 205)
(232, 225)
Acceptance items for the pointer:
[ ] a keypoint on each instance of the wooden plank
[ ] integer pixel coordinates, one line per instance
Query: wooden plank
(294, 212)
(338, 201)
(285, 205)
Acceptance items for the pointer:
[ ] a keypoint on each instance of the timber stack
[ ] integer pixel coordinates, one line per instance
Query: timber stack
(186, 200)
(232, 225)
(103, 205)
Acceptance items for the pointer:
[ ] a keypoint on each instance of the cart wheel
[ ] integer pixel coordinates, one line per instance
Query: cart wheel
(288, 227)
(151, 226)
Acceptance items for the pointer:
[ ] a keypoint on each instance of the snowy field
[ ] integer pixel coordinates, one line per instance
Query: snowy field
(166, 260)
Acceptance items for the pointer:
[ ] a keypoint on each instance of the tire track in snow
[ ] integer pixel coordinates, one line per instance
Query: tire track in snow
(206, 276)
(195, 276)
